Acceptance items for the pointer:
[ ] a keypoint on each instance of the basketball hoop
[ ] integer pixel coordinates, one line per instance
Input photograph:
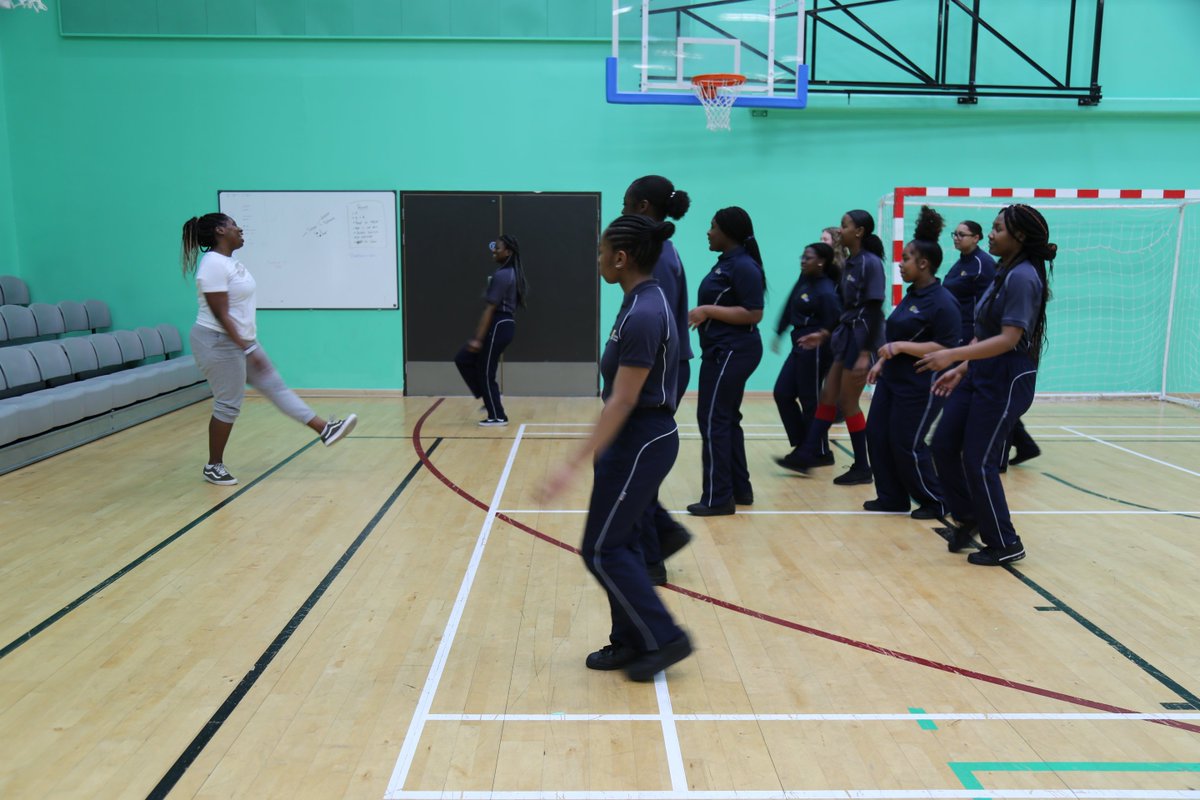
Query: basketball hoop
(716, 92)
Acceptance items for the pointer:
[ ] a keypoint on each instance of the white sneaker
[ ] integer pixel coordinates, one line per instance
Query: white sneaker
(492, 423)
(337, 429)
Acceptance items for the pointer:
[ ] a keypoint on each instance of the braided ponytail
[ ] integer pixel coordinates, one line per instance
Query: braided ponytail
(199, 233)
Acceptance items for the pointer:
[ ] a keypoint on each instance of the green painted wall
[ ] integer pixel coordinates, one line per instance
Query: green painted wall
(120, 140)
(9, 263)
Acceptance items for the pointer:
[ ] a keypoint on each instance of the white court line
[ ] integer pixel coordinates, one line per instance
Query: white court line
(820, 794)
(969, 717)
(1131, 452)
(421, 713)
(1084, 512)
(666, 713)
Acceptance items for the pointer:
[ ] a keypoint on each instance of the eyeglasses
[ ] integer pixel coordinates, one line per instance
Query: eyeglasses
(957, 235)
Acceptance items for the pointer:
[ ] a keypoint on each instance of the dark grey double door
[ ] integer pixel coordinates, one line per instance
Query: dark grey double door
(445, 265)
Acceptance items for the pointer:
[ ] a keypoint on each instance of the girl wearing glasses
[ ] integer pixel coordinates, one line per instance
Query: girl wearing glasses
(480, 356)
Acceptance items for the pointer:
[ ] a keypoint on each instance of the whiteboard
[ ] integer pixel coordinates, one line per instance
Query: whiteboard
(318, 249)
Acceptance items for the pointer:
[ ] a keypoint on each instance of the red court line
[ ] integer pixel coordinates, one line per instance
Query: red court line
(796, 626)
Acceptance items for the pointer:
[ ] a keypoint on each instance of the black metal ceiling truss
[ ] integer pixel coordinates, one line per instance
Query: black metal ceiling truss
(839, 18)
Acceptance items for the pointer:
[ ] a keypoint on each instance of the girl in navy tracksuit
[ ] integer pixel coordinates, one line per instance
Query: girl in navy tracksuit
(987, 397)
(967, 280)
(855, 341)
(632, 448)
(727, 316)
(479, 358)
(656, 197)
(903, 407)
(812, 307)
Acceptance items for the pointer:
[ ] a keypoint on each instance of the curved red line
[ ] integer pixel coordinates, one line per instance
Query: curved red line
(796, 626)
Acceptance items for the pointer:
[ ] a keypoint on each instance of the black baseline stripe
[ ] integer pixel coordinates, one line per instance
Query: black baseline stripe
(239, 692)
(111, 579)
(1104, 636)
(1092, 628)
(1113, 499)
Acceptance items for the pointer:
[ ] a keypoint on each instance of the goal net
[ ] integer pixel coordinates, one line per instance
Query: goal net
(1124, 314)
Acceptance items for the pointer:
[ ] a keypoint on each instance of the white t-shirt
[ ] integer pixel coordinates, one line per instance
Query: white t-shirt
(218, 273)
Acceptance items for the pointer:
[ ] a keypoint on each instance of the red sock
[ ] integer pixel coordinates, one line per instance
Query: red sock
(826, 413)
(854, 424)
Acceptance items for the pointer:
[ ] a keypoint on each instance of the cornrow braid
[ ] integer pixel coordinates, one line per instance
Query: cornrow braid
(199, 233)
(1038, 250)
(639, 236)
(514, 247)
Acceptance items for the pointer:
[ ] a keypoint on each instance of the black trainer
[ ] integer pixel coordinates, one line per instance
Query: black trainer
(216, 473)
(878, 505)
(795, 461)
(657, 573)
(926, 512)
(1024, 455)
(671, 539)
(744, 499)
(655, 661)
(998, 556)
(701, 510)
(961, 538)
(823, 461)
(337, 429)
(611, 656)
(854, 475)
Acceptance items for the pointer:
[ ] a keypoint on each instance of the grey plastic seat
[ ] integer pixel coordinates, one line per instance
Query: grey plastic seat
(67, 402)
(128, 386)
(108, 352)
(20, 370)
(172, 344)
(131, 346)
(15, 290)
(48, 319)
(3, 331)
(52, 362)
(25, 414)
(152, 343)
(81, 356)
(97, 314)
(19, 321)
(74, 316)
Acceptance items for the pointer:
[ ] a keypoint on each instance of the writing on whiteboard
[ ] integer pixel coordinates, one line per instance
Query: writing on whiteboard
(320, 229)
(366, 224)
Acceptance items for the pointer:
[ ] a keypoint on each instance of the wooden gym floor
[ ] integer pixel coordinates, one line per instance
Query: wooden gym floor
(396, 617)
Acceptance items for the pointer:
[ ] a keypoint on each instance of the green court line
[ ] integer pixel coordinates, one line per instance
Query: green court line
(926, 724)
(965, 770)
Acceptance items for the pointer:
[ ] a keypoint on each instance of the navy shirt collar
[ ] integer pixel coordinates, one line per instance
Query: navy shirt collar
(644, 286)
(732, 254)
(915, 292)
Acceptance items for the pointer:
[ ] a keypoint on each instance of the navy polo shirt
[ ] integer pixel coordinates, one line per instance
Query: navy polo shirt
(502, 289)
(967, 280)
(812, 306)
(668, 271)
(1016, 302)
(862, 281)
(735, 280)
(644, 336)
(923, 315)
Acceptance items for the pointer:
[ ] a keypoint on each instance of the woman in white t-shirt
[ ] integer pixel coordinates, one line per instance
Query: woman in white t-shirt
(225, 344)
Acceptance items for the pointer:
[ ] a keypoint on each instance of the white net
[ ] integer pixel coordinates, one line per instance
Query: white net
(1124, 317)
(36, 5)
(717, 96)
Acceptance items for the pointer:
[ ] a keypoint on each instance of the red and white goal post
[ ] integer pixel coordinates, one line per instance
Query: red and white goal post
(1124, 316)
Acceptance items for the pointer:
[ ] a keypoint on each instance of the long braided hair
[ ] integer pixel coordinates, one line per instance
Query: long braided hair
(514, 247)
(1038, 250)
(199, 234)
(641, 237)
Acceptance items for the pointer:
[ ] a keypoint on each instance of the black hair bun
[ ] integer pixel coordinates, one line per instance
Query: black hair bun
(663, 231)
(930, 225)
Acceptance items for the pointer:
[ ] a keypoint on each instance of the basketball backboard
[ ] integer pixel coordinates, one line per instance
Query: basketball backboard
(658, 46)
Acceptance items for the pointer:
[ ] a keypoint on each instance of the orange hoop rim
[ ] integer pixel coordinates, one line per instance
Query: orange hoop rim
(717, 80)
